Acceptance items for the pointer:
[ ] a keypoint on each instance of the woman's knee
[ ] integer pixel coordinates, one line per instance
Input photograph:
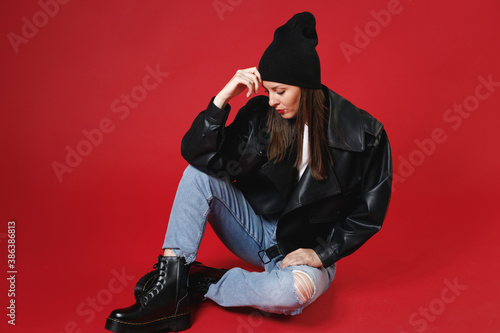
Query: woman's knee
(198, 176)
(304, 286)
(301, 295)
(193, 176)
(192, 172)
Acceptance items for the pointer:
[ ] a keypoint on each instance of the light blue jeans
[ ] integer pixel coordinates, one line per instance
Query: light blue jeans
(201, 198)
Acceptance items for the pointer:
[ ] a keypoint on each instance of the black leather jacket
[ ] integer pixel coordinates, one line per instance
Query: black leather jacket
(335, 216)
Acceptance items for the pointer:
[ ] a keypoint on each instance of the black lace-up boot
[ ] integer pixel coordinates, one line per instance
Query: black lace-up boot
(200, 279)
(162, 307)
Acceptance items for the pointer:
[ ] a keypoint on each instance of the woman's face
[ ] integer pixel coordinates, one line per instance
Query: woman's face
(283, 97)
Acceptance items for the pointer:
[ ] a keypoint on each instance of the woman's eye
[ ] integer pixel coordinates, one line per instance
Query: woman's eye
(280, 92)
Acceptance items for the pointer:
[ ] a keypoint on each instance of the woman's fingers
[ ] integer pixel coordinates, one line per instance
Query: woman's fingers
(256, 78)
(301, 257)
(244, 78)
(251, 78)
(257, 73)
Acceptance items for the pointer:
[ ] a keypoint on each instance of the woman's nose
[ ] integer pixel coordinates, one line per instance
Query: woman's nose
(272, 102)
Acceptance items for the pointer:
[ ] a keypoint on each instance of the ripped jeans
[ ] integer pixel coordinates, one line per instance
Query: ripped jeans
(201, 198)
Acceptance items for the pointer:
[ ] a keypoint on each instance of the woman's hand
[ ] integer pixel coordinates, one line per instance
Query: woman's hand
(244, 78)
(302, 257)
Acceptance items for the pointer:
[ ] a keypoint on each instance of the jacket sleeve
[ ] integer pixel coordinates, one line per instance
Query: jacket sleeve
(214, 148)
(369, 208)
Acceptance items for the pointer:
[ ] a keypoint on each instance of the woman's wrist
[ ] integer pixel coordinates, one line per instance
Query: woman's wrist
(220, 101)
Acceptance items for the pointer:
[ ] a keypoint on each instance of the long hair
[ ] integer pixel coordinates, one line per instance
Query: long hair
(286, 133)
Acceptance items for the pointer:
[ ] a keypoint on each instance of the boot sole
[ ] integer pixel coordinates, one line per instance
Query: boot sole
(173, 323)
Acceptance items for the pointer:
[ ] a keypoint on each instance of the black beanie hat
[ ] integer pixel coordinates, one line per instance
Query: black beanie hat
(291, 58)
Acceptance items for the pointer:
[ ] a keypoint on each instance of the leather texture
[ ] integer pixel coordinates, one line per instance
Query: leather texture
(335, 216)
(161, 308)
(200, 279)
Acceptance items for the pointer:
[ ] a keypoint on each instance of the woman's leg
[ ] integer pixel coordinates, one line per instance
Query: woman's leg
(201, 197)
(285, 291)
(163, 306)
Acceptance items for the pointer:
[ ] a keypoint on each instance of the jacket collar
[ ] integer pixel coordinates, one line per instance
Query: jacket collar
(309, 190)
(345, 123)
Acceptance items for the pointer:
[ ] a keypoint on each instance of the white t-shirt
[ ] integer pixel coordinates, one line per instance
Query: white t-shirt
(305, 151)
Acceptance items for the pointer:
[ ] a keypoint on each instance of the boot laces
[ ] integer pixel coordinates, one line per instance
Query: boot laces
(157, 285)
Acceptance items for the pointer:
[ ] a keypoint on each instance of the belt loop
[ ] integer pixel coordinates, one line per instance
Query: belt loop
(262, 258)
(272, 252)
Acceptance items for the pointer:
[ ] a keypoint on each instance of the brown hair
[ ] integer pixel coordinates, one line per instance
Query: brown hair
(285, 133)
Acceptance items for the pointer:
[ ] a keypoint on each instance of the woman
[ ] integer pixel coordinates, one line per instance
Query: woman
(300, 179)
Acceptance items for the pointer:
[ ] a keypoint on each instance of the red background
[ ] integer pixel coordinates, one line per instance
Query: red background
(110, 213)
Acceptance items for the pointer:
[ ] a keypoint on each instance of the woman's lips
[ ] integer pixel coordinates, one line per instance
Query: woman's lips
(280, 111)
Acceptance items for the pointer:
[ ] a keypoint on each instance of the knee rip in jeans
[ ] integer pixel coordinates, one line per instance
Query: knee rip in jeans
(304, 287)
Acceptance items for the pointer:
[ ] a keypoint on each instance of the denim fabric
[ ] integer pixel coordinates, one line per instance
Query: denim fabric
(201, 198)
